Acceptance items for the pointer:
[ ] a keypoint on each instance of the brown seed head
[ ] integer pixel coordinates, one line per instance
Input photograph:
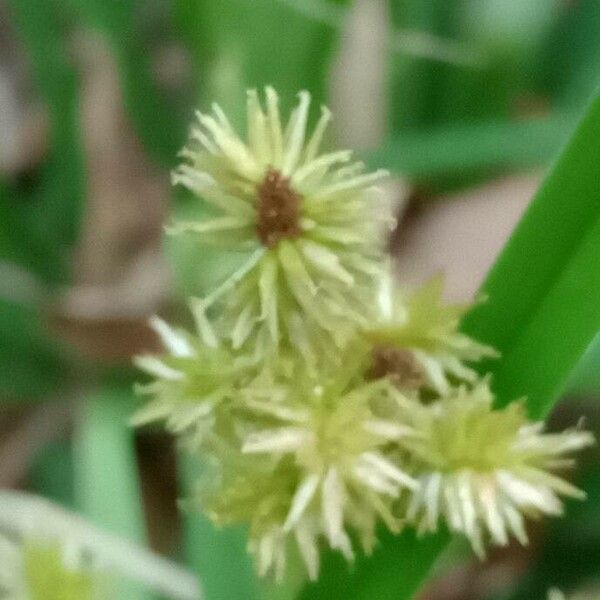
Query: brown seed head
(398, 364)
(278, 210)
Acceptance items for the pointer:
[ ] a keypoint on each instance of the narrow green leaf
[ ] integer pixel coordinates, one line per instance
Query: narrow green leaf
(32, 365)
(51, 209)
(546, 283)
(106, 477)
(156, 123)
(585, 379)
(492, 145)
(570, 73)
(395, 570)
(417, 83)
(217, 556)
(252, 43)
(555, 336)
(542, 313)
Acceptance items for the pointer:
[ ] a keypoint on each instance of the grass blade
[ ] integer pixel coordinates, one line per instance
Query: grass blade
(51, 211)
(491, 145)
(542, 313)
(106, 478)
(156, 123)
(553, 339)
(395, 570)
(32, 364)
(546, 277)
(232, 45)
(585, 379)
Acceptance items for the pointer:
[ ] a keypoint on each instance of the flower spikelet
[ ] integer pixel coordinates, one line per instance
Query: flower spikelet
(326, 470)
(306, 222)
(192, 382)
(417, 339)
(484, 470)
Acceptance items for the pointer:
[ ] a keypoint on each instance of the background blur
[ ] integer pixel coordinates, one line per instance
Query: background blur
(465, 101)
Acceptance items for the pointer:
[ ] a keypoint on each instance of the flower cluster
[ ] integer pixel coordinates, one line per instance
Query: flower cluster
(305, 223)
(324, 401)
(331, 446)
(416, 337)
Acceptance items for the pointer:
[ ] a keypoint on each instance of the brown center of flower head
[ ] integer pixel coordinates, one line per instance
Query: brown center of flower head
(278, 209)
(399, 365)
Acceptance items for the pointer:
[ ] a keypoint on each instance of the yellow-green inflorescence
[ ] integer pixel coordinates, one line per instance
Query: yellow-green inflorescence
(307, 223)
(324, 400)
(483, 470)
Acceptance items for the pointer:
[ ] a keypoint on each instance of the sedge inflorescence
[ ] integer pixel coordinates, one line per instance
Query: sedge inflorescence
(306, 224)
(324, 401)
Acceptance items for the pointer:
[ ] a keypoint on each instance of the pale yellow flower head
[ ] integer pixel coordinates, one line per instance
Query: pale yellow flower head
(193, 383)
(309, 225)
(417, 339)
(315, 468)
(483, 470)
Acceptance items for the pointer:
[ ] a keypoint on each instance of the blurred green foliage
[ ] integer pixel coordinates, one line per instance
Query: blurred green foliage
(156, 123)
(47, 209)
(241, 44)
(528, 68)
(32, 364)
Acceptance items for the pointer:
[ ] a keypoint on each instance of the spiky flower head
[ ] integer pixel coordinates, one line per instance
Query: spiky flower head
(191, 382)
(417, 341)
(483, 470)
(306, 222)
(315, 468)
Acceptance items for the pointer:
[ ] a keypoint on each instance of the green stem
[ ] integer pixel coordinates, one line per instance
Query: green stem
(106, 477)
